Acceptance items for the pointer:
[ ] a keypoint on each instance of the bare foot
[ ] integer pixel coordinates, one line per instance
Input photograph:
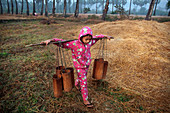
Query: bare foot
(88, 104)
(77, 87)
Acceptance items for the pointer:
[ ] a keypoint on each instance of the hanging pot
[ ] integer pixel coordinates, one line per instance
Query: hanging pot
(98, 68)
(59, 72)
(67, 81)
(57, 85)
(58, 69)
(72, 75)
(105, 69)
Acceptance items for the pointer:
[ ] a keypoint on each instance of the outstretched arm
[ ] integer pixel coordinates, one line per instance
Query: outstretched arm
(67, 45)
(99, 36)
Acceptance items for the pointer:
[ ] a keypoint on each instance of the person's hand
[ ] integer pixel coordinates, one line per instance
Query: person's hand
(46, 42)
(109, 37)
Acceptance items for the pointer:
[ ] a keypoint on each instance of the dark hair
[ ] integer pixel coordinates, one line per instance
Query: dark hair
(84, 36)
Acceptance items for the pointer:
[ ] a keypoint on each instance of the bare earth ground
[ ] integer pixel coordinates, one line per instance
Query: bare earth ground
(137, 78)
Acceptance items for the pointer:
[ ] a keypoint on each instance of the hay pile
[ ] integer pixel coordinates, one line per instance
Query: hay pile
(138, 57)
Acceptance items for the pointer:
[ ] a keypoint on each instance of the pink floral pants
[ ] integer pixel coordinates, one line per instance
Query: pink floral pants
(82, 80)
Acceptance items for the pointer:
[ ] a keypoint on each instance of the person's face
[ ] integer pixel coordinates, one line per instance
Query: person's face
(86, 39)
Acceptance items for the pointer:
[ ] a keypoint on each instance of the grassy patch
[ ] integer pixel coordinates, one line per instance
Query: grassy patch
(26, 73)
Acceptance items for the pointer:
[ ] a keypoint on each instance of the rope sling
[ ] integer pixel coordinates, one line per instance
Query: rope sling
(100, 65)
(64, 77)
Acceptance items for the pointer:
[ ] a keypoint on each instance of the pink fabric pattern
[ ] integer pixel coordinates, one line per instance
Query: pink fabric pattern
(81, 56)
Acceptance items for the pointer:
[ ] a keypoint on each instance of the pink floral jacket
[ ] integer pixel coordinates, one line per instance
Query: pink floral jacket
(81, 54)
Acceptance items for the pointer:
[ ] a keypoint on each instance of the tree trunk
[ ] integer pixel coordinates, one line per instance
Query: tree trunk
(16, 6)
(96, 6)
(103, 6)
(57, 7)
(69, 3)
(27, 7)
(12, 7)
(64, 13)
(22, 6)
(1, 7)
(73, 6)
(42, 7)
(112, 5)
(130, 7)
(81, 5)
(8, 7)
(149, 14)
(46, 8)
(155, 8)
(105, 10)
(84, 4)
(122, 3)
(33, 13)
(53, 7)
(77, 9)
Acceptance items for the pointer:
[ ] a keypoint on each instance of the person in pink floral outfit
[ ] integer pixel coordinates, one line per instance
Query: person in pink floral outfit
(81, 56)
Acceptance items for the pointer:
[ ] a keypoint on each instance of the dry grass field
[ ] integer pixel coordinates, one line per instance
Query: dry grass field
(137, 80)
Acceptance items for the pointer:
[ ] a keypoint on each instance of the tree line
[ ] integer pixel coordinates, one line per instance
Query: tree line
(69, 6)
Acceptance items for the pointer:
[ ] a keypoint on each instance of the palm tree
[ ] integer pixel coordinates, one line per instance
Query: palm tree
(1, 7)
(12, 7)
(46, 8)
(33, 12)
(8, 7)
(149, 14)
(42, 7)
(53, 7)
(16, 5)
(27, 7)
(22, 7)
(105, 10)
(77, 9)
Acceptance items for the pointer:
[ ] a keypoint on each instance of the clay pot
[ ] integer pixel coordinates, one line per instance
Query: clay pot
(67, 80)
(57, 85)
(98, 68)
(72, 75)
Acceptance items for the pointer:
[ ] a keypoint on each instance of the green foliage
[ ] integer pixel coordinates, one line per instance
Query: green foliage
(4, 55)
(93, 17)
(141, 2)
(86, 10)
(111, 18)
(168, 4)
(120, 10)
(114, 12)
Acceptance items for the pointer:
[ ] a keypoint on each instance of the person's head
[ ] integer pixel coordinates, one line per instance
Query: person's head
(86, 39)
(85, 35)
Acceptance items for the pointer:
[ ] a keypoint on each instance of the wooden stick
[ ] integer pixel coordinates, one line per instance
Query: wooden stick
(58, 42)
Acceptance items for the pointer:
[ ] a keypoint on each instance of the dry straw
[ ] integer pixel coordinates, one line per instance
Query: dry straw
(138, 57)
